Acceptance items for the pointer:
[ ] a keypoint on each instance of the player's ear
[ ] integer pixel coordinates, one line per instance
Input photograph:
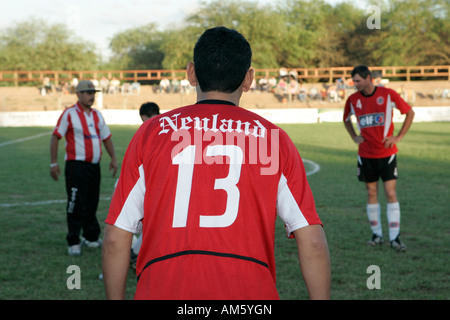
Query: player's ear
(192, 77)
(248, 80)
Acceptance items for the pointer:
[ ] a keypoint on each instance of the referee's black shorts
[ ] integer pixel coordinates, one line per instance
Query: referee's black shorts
(371, 170)
(83, 191)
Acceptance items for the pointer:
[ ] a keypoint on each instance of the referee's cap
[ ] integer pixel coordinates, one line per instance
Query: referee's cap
(85, 85)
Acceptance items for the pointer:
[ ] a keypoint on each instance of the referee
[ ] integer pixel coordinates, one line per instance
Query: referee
(84, 130)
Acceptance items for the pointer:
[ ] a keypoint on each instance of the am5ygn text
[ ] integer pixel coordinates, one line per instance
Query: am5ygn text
(226, 309)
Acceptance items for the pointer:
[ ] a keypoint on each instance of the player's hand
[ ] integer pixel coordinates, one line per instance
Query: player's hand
(55, 173)
(389, 142)
(358, 139)
(113, 167)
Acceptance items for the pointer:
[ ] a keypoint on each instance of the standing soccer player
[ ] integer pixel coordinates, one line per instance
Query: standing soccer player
(201, 181)
(377, 151)
(84, 130)
(147, 111)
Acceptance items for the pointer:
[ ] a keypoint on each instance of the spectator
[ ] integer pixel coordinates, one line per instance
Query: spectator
(164, 85)
(104, 83)
(114, 86)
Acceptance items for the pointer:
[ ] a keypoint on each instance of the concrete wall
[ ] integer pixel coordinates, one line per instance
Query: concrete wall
(279, 116)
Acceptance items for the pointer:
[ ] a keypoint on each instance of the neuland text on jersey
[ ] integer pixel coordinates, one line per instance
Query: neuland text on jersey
(176, 123)
(371, 120)
(223, 132)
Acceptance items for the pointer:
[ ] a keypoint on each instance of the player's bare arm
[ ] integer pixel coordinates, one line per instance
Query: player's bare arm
(351, 130)
(115, 261)
(390, 141)
(55, 171)
(110, 149)
(314, 260)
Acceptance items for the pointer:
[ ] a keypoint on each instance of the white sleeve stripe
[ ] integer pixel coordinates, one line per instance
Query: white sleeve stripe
(388, 121)
(288, 209)
(352, 112)
(133, 209)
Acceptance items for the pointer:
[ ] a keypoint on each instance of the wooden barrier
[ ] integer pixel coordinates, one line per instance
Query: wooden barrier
(314, 74)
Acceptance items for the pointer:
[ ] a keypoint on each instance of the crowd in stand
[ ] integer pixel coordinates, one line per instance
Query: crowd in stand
(287, 87)
(105, 85)
(173, 86)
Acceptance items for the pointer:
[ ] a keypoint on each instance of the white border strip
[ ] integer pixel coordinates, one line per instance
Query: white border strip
(279, 116)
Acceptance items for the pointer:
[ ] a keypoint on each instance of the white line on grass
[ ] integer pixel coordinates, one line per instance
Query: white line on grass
(39, 203)
(315, 169)
(24, 139)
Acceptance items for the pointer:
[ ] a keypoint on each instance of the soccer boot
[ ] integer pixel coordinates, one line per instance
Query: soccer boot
(92, 244)
(376, 240)
(398, 245)
(75, 250)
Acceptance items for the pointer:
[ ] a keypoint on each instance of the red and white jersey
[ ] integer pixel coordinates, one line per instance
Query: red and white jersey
(374, 119)
(207, 182)
(84, 133)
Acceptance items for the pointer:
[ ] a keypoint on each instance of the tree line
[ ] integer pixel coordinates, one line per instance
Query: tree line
(289, 33)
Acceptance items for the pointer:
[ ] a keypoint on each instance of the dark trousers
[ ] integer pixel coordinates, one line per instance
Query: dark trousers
(83, 191)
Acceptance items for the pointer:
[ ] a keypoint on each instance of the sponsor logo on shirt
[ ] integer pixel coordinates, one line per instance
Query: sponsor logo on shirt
(91, 136)
(380, 101)
(371, 120)
(216, 131)
(214, 124)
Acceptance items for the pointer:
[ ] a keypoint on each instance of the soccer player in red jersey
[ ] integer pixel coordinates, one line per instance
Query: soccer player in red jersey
(84, 130)
(207, 181)
(377, 151)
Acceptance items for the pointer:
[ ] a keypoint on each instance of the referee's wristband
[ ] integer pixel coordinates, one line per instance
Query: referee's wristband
(52, 165)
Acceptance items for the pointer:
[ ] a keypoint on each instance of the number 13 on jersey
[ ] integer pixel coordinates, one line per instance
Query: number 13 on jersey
(185, 161)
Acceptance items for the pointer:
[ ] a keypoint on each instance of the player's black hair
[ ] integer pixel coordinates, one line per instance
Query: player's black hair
(363, 71)
(222, 58)
(149, 109)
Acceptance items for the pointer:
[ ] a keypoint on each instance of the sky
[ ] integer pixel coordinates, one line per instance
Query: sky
(98, 21)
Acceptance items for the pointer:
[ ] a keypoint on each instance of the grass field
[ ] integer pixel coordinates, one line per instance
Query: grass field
(33, 252)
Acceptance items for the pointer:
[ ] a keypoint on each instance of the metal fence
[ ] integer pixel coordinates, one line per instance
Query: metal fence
(409, 73)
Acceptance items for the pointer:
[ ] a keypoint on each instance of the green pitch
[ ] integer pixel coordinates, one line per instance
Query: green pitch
(33, 251)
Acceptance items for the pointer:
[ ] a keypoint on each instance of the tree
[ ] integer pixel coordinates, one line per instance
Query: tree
(178, 46)
(261, 25)
(413, 32)
(318, 32)
(35, 45)
(137, 48)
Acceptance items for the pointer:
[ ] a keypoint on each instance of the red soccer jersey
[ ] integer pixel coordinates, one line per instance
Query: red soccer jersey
(84, 133)
(374, 118)
(207, 181)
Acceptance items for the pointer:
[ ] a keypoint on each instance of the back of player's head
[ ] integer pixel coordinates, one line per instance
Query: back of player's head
(222, 58)
(362, 71)
(149, 109)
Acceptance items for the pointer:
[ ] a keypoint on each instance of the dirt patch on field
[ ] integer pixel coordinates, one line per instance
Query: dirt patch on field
(418, 93)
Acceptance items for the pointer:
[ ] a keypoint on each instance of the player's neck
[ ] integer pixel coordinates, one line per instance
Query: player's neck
(216, 95)
(84, 107)
(369, 90)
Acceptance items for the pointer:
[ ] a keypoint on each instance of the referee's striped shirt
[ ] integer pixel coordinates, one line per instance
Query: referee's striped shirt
(84, 133)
